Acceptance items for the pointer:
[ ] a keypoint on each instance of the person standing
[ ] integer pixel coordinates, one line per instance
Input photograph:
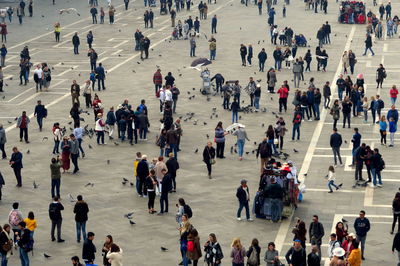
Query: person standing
(166, 187)
(40, 113)
(392, 130)
(89, 249)
(157, 80)
(16, 165)
(297, 69)
(75, 93)
(380, 76)
(151, 18)
(362, 226)
(243, 196)
(142, 172)
(316, 233)
(192, 47)
(76, 43)
(368, 45)
(243, 53)
(24, 243)
(173, 166)
(78, 133)
(393, 94)
(22, 123)
(376, 168)
(213, 50)
(274, 192)
(55, 177)
(92, 55)
(74, 148)
(93, 11)
(262, 57)
(214, 22)
(14, 218)
(3, 141)
(296, 123)
(111, 14)
(336, 142)
(55, 209)
(110, 122)
(296, 255)
(241, 135)
(208, 157)
(81, 210)
(57, 31)
(101, 76)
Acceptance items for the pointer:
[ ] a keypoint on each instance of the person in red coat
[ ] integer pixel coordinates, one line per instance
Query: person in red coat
(3, 32)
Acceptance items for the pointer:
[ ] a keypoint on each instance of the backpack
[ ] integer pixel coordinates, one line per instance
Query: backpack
(188, 211)
(190, 246)
(297, 119)
(29, 246)
(14, 219)
(238, 256)
(381, 104)
(53, 211)
(382, 164)
(253, 260)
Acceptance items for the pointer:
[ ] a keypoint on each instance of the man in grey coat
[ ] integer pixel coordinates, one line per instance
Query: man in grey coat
(3, 140)
(74, 144)
(297, 73)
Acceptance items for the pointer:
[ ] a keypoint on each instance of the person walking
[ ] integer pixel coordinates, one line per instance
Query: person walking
(362, 226)
(81, 210)
(316, 233)
(262, 57)
(235, 109)
(92, 56)
(392, 130)
(368, 45)
(382, 129)
(297, 117)
(331, 179)
(296, 255)
(380, 76)
(214, 22)
(3, 141)
(89, 249)
(3, 54)
(55, 209)
(209, 157)
(243, 195)
(40, 113)
(172, 166)
(76, 43)
(377, 165)
(157, 80)
(100, 128)
(101, 76)
(74, 148)
(241, 135)
(195, 253)
(335, 143)
(166, 187)
(16, 165)
(75, 93)
(55, 177)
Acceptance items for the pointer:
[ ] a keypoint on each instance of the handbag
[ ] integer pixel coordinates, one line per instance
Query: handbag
(7, 246)
(212, 161)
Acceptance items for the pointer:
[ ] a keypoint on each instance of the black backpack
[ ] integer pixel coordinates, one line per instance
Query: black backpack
(188, 211)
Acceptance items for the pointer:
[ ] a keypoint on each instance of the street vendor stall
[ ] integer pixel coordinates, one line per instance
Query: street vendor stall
(352, 12)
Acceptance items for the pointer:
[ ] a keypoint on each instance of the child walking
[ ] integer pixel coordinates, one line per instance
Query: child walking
(331, 179)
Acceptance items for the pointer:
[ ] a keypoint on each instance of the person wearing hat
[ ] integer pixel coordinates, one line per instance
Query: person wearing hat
(275, 192)
(333, 244)
(296, 255)
(243, 196)
(99, 128)
(337, 259)
(347, 244)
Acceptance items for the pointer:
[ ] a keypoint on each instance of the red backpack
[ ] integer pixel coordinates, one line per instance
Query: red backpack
(190, 246)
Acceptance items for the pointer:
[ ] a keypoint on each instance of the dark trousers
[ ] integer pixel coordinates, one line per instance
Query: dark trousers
(358, 174)
(4, 155)
(261, 66)
(40, 122)
(246, 206)
(17, 172)
(164, 200)
(213, 29)
(57, 34)
(100, 136)
(209, 168)
(76, 50)
(100, 80)
(54, 224)
(93, 65)
(55, 187)
(74, 159)
(383, 137)
(152, 197)
(226, 103)
(219, 86)
(94, 19)
(23, 133)
(88, 100)
(346, 117)
(396, 218)
(308, 67)
(80, 146)
(282, 104)
(220, 149)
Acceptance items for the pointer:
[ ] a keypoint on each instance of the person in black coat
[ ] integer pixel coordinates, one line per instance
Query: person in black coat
(262, 57)
(209, 157)
(173, 166)
(296, 255)
(81, 210)
(243, 53)
(89, 249)
(40, 113)
(166, 186)
(76, 43)
(243, 196)
(368, 45)
(16, 165)
(55, 209)
(142, 172)
(336, 142)
(313, 258)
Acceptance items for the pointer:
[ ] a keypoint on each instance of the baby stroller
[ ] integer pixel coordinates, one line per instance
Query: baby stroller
(300, 40)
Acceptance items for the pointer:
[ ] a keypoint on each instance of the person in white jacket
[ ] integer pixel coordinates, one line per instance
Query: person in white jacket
(114, 256)
(333, 243)
(161, 97)
(331, 179)
(99, 128)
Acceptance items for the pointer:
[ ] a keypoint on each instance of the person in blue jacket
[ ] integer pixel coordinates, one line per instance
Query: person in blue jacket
(100, 75)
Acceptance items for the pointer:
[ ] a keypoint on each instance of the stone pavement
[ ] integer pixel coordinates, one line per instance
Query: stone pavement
(213, 201)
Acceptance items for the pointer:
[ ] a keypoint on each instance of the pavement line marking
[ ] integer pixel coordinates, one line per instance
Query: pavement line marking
(162, 28)
(368, 199)
(36, 94)
(284, 228)
(326, 190)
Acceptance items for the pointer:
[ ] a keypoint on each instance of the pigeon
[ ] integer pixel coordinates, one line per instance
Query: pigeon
(16, 118)
(129, 214)
(126, 180)
(70, 122)
(208, 136)
(240, 117)
(71, 199)
(164, 249)
(4, 97)
(194, 89)
(262, 125)
(345, 141)
(204, 123)
(196, 151)
(276, 116)
(255, 143)
(28, 151)
(116, 143)
(35, 186)
(138, 62)
(247, 152)
(82, 119)
(46, 256)
(295, 150)
(273, 113)
(305, 174)
(90, 146)
(235, 150)
(344, 221)
(108, 161)
(45, 138)
(216, 116)
(9, 122)
(132, 222)
(89, 184)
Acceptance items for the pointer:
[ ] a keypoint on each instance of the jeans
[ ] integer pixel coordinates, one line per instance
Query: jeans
(100, 136)
(55, 187)
(40, 122)
(316, 110)
(246, 206)
(336, 153)
(4, 259)
(164, 199)
(261, 66)
(296, 79)
(365, 115)
(296, 128)
(56, 146)
(240, 144)
(346, 116)
(278, 64)
(143, 133)
(393, 100)
(340, 92)
(174, 148)
(192, 51)
(55, 223)
(23, 255)
(368, 48)
(23, 132)
(257, 102)
(76, 50)
(234, 117)
(74, 159)
(138, 186)
(376, 173)
(276, 210)
(331, 184)
(80, 227)
(226, 103)
(212, 54)
(100, 80)
(4, 155)
(362, 240)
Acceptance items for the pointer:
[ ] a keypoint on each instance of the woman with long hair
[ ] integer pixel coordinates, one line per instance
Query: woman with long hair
(341, 231)
(208, 157)
(253, 253)
(195, 253)
(271, 138)
(213, 251)
(238, 252)
(65, 154)
(382, 129)
(106, 249)
(151, 184)
(184, 231)
(300, 232)
(271, 255)
(114, 255)
(220, 140)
